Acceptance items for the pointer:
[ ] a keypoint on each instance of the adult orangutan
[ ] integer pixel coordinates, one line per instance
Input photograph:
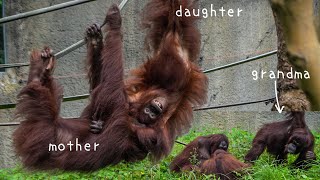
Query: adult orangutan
(280, 138)
(125, 119)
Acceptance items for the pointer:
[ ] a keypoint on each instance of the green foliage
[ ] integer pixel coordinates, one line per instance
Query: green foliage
(240, 142)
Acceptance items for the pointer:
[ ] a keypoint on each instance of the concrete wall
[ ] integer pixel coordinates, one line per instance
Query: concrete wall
(230, 39)
(224, 40)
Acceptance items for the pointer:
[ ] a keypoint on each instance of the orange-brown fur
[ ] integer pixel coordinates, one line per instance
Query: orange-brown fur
(211, 160)
(115, 101)
(276, 136)
(224, 165)
(183, 161)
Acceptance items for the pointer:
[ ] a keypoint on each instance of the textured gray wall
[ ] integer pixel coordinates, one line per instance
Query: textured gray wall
(229, 39)
(224, 40)
(250, 120)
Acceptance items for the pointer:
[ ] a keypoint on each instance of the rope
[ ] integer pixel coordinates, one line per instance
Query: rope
(65, 99)
(6, 106)
(241, 61)
(85, 96)
(43, 10)
(81, 42)
(75, 46)
(267, 101)
(73, 98)
(18, 123)
(10, 124)
(64, 51)
(178, 142)
(13, 65)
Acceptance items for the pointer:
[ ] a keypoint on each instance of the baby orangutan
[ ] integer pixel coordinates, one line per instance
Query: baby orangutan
(208, 155)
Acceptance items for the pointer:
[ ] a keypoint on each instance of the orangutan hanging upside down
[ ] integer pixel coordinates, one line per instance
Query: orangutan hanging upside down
(126, 119)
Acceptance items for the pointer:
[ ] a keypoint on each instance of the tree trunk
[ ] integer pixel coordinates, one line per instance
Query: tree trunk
(290, 95)
(303, 48)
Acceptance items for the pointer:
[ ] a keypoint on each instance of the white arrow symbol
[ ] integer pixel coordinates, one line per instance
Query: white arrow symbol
(277, 105)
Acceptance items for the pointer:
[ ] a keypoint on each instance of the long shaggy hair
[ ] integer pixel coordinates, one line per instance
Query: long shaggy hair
(169, 77)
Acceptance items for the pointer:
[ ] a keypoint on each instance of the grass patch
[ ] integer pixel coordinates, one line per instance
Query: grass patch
(240, 142)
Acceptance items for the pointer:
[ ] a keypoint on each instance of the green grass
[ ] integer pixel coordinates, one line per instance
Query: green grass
(240, 142)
